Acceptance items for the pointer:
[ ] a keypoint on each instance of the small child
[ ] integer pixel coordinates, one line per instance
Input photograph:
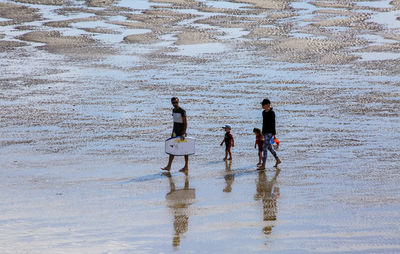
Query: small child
(229, 142)
(259, 142)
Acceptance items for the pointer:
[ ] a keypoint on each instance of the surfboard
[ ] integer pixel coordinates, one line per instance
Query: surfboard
(178, 147)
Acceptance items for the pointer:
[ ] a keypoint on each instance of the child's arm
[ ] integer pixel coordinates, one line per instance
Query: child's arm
(233, 142)
(222, 142)
(255, 144)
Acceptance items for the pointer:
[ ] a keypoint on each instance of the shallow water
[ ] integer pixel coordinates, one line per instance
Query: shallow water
(82, 129)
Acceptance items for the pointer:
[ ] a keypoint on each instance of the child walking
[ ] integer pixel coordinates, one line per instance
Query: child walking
(229, 142)
(259, 142)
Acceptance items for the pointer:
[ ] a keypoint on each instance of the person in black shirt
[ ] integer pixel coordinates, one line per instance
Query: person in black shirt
(268, 131)
(179, 129)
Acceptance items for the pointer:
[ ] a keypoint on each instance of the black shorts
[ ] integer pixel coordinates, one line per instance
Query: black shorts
(178, 132)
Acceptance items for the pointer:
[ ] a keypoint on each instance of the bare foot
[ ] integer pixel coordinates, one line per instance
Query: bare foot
(261, 167)
(184, 170)
(229, 159)
(166, 168)
(168, 174)
(224, 159)
(278, 161)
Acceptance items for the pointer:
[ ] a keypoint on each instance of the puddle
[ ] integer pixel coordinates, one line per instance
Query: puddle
(306, 35)
(200, 49)
(340, 29)
(376, 40)
(305, 7)
(233, 33)
(121, 61)
(225, 4)
(140, 4)
(109, 38)
(387, 19)
(3, 19)
(305, 11)
(377, 56)
(375, 4)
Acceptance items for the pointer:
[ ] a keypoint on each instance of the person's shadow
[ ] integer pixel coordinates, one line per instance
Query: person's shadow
(229, 176)
(268, 194)
(178, 200)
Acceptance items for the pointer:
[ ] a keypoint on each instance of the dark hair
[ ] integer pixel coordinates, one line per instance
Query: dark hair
(257, 130)
(174, 99)
(265, 102)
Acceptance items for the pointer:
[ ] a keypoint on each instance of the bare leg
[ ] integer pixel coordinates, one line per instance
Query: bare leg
(271, 149)
(268, 147)
(259, 157)
(168, 167)
(186, 167)
(278, 161)
(171, 183)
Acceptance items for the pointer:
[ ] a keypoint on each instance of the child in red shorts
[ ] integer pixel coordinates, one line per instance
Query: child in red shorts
(259, 142)
(229, 142)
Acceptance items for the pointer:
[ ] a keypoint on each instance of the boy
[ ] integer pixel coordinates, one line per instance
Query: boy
(229, 142)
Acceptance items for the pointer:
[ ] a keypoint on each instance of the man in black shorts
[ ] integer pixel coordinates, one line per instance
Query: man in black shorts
(179, 129)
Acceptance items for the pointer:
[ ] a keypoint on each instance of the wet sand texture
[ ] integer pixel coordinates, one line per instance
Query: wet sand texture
(85, 90)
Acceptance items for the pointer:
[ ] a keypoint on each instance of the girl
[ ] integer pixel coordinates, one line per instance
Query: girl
(259, 142)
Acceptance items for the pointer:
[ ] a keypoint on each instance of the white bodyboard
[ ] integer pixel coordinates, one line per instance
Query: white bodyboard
(178, 147)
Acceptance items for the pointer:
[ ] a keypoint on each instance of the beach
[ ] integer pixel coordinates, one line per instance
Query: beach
(85, 110)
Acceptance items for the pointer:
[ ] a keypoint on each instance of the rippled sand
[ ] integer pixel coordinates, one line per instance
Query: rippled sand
(85, 107)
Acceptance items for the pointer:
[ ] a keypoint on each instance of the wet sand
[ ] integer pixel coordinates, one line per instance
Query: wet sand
(85, 89)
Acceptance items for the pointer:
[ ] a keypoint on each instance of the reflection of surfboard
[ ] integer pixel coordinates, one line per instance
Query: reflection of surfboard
(178, 147)
(181, 197)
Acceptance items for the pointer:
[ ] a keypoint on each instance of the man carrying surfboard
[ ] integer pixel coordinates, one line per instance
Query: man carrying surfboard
(178, 130)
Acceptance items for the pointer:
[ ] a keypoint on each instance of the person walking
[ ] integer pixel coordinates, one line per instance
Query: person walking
(259, 142)
(269, 131)
(229, 142)
(178, 130)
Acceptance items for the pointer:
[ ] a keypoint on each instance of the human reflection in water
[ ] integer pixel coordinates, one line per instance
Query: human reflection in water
(268, 193)
(179, 200)
(229, 177)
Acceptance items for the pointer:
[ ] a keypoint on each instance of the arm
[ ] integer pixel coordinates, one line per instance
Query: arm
(233, 141)
(273, 124)
(184, 119)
